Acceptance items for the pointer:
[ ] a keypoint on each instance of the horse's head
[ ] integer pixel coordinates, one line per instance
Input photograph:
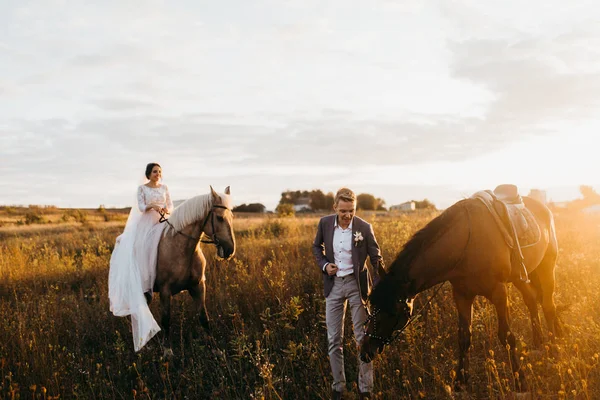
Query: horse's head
(219, 224)
(386, 315)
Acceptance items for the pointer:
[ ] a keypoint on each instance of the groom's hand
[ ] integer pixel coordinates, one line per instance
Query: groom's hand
(331, 269)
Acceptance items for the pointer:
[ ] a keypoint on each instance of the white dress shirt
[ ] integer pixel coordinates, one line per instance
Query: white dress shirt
(342, 249)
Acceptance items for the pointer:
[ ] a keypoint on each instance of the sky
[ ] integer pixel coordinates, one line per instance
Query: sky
(401, 99)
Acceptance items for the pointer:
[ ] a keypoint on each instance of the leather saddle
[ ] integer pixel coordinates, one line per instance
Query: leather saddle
(516, 222)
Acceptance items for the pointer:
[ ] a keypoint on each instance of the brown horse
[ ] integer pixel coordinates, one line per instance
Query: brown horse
(465, 246)
(181, 264)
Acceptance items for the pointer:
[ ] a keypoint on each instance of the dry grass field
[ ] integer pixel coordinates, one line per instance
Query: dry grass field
(58, 338)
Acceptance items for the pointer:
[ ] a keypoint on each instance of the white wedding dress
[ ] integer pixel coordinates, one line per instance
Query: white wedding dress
(133, 263)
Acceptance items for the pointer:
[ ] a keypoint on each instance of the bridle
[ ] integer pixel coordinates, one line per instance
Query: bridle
(406, 311)
(214, 240)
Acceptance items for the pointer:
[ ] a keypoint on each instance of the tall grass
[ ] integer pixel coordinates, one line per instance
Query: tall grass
(58, 338)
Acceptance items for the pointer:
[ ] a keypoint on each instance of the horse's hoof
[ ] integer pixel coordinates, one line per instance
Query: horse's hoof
(462, 377)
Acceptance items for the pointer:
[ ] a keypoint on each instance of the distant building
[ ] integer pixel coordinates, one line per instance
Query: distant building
(407, 206)
(539, 195)
(302, 204)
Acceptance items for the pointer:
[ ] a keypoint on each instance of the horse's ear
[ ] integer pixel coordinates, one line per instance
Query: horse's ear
(227, 191)
(215, 195)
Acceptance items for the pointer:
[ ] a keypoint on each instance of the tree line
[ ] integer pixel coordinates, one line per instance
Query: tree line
(317, 200)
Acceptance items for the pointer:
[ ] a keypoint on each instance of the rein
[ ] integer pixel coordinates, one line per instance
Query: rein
(213, 239)
(406, 310)
(407, 314)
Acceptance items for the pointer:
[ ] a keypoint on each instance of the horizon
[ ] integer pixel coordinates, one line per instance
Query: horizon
(402, 100)
(522, 192)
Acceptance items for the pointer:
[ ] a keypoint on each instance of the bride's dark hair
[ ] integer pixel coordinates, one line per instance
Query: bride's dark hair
(149, 168)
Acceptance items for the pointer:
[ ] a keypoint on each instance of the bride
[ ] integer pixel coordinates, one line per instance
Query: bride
(133, 261)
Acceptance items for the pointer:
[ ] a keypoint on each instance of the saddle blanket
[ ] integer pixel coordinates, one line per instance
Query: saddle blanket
(511, 214)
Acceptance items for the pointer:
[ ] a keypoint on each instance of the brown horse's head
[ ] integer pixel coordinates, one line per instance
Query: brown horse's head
(218, 224)
(385, 316)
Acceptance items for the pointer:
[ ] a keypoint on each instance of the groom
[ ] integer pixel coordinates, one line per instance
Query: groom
(341, 247)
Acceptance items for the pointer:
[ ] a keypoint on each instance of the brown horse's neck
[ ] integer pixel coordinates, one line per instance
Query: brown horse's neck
(434, 254)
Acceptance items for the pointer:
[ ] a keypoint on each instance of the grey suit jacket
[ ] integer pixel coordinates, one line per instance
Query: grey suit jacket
(323, 251)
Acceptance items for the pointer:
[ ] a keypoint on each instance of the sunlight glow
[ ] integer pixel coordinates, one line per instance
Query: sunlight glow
(557, 164)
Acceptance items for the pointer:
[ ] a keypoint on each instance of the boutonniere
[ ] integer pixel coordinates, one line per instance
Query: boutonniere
(358, 238)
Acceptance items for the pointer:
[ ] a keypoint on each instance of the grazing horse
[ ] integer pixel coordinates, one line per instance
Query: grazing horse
(464, 245)
(181, 264)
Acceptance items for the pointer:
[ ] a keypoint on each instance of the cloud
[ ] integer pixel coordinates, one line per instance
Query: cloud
(543, 71)
(299, 97)
(530, 82)
(124, 104)
(330, 140)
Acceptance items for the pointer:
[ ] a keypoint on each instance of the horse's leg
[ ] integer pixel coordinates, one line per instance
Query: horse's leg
(198, 288)
(545, 283)
(165, 309)
(198, 293)
(530, 299)
(499, 297)
(464, 306)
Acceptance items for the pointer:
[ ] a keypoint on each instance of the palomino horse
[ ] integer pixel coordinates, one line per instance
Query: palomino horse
(464, 245)
(181, 264)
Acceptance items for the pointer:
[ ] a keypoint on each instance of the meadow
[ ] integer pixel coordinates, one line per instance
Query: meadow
(58, 338)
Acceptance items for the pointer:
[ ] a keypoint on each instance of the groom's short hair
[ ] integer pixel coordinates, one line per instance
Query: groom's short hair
(346, 195)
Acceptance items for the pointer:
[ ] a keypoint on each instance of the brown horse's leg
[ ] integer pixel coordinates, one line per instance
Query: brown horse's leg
(546, 278)
(198, 293)
(165, 321)
(545, 282)
(499, 298)
(530, 298)
(464, 306)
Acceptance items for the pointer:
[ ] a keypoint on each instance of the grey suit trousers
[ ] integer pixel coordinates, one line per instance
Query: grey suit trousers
(345, 291)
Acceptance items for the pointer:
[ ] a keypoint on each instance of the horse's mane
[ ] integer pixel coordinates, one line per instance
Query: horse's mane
(423, 238)
(419, 242)
(192, 210)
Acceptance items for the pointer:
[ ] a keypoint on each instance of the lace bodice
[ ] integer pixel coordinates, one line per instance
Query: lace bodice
(154, 196)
